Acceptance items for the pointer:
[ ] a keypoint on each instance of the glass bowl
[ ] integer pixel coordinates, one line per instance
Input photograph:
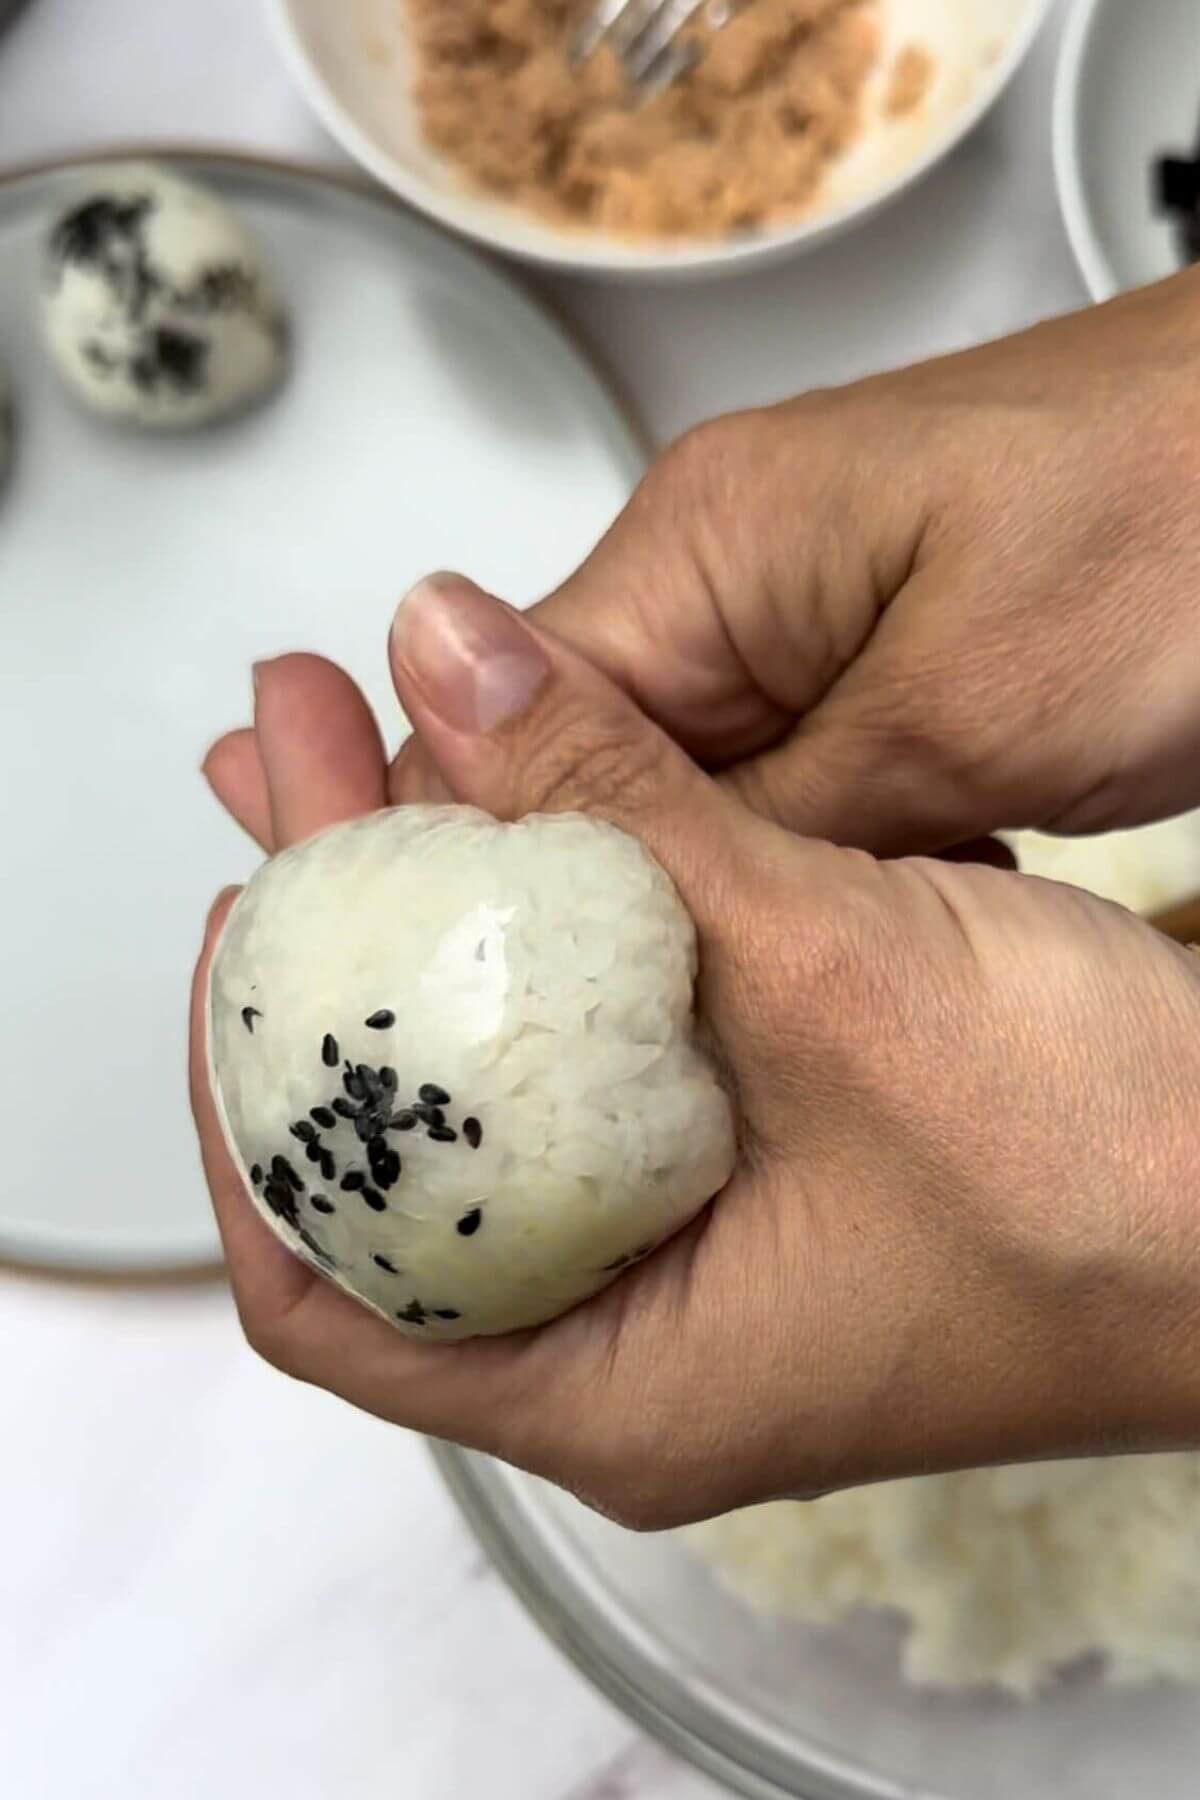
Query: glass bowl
(774, 1708)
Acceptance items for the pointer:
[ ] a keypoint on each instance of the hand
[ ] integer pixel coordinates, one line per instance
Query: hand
(964, 1224)
(950, 600)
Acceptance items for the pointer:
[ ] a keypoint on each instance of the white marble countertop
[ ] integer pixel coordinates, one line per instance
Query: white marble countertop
(215, 1582)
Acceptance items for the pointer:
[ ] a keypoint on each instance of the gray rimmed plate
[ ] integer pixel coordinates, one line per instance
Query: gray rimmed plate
(435, 417)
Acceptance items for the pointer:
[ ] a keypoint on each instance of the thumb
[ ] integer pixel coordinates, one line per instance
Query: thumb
(517, 723)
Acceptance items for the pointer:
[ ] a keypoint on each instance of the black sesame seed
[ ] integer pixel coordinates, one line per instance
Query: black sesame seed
(344, 1110)
(446, 1312)
(389, 1079)
(256, 1174)
(375, 1201)
(470, 1222)
(443, 1134)
(402, 1121)
(282, 1169)
(383, 1263)
(352, 1181)
(364, 1127)
(328, 1166)
(249, 1014)
(330, 1054)
(354, 1085)
(383, 1020)
(324, 1116)
(304, 1131)
(322, 1205)
(278, 1196)
(370, 1081)
(376, 1146)
(413, 1314)
(393, 1166)
(313, 1152)
(473, 1132)
(433, 1095)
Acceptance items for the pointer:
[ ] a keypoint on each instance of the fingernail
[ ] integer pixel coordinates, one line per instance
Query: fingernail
(260, 671)
(475, 663)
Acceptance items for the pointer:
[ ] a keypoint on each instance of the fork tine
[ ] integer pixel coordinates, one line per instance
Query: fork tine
(667, 19)
(622, 20)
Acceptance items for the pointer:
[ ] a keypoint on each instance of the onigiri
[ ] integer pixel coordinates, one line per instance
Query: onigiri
(457, 1062)
(158, 310)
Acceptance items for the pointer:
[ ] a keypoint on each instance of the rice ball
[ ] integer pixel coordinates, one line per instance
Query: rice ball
(456, 1063)
(157, 309)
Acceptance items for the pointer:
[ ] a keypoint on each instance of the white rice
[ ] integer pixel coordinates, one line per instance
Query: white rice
(541, 976)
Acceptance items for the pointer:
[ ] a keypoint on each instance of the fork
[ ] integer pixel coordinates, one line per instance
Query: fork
(644, 34)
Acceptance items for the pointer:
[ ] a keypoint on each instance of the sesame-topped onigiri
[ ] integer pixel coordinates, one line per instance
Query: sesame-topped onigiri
(158, 310)
(456, 1062)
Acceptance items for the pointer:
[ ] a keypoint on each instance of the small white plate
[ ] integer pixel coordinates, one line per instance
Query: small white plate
(1128, 92)
(435, 418)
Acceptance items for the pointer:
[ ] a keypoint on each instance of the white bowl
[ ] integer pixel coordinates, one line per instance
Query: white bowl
(352, 61)
(1128, 91)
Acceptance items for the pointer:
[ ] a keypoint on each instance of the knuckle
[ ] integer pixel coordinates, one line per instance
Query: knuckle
(689, 464)
(606, 766)
(704, 468)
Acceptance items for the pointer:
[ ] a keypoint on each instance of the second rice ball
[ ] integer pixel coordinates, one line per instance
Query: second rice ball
(158, 310)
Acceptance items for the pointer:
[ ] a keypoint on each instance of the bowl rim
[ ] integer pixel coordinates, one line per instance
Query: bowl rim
(602, 257)
(1098, 273)
(626, 1676)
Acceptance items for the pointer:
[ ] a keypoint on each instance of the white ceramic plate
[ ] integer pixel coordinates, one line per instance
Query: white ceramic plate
(1128, 92)
(352, 61)
(435, 418)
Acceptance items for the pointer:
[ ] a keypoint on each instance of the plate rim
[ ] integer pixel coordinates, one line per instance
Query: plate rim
(1098, 273)
(625, 435)
(357, 183)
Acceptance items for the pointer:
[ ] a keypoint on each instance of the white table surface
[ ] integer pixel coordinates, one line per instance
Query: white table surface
(215, 1582)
